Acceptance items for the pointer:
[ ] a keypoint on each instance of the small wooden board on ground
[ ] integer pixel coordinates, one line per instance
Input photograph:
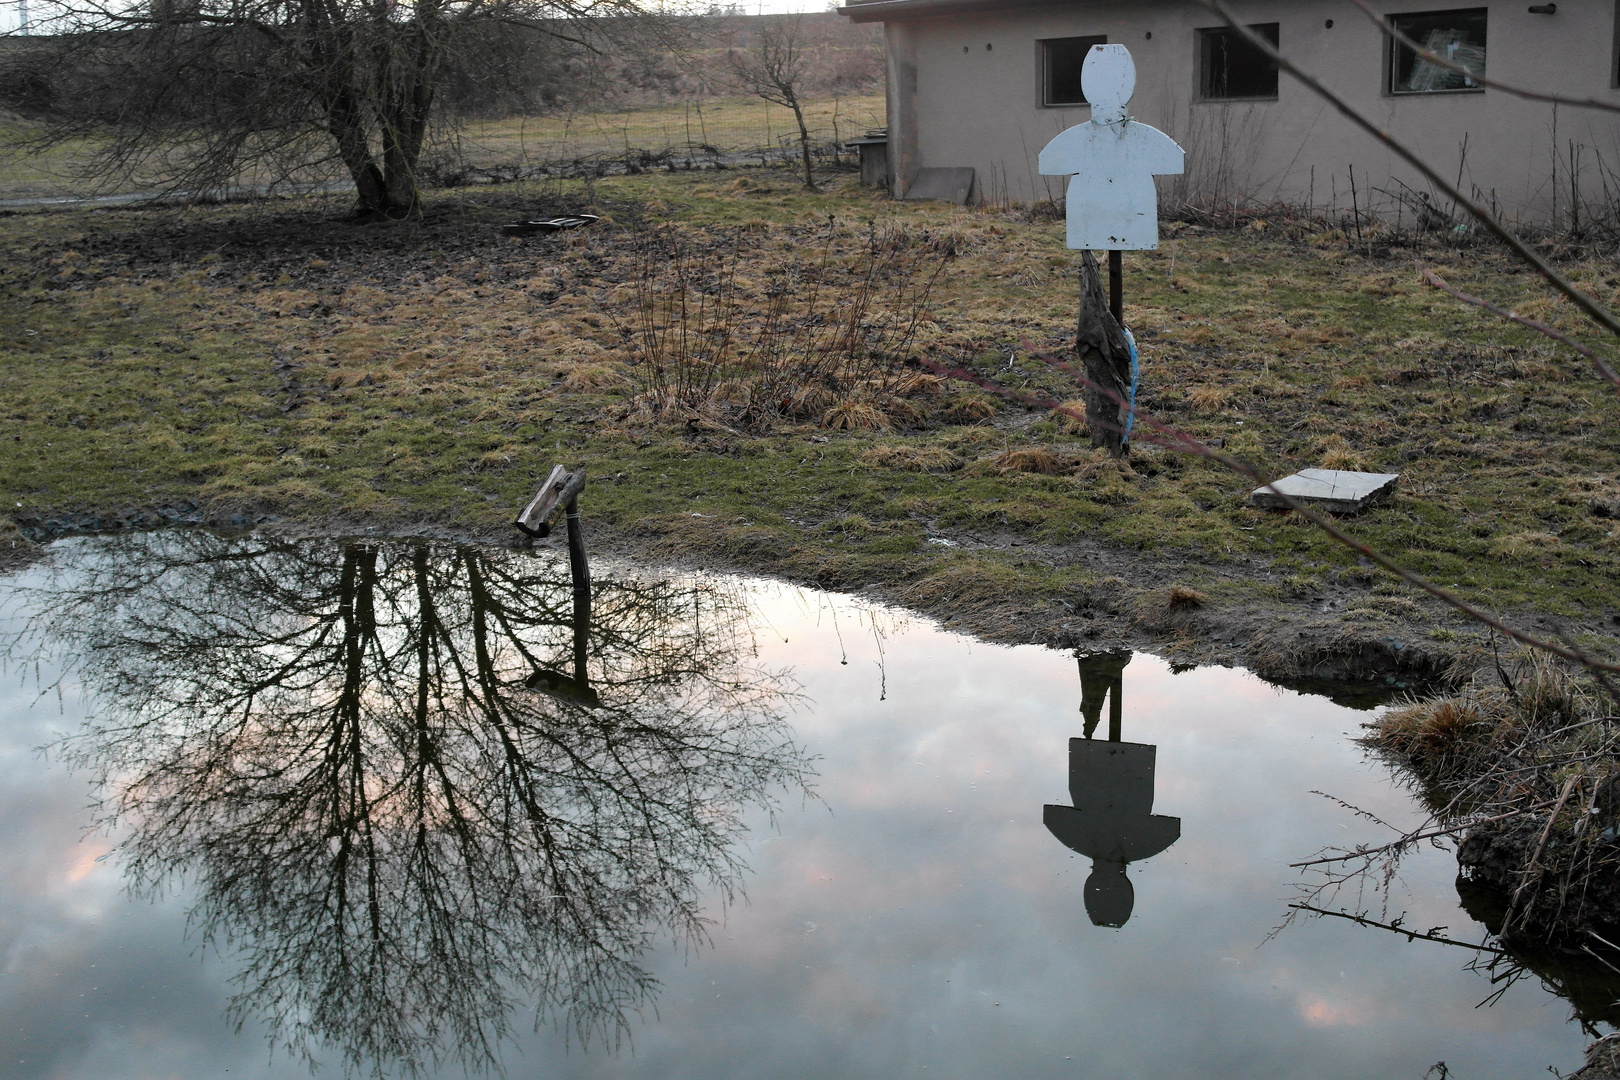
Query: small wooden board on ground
(549, 225)
(1337, 491)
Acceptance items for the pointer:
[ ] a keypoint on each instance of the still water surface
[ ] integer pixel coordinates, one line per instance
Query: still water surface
(376, 802)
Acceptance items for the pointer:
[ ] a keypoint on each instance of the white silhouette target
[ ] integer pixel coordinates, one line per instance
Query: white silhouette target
(1112, 204)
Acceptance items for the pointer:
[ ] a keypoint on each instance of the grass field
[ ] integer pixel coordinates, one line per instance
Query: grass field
(730, 125)
(278, 359)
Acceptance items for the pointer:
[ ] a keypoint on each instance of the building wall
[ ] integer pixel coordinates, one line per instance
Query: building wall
(976, 101)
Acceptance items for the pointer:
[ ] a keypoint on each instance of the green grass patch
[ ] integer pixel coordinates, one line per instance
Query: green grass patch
(277, 358)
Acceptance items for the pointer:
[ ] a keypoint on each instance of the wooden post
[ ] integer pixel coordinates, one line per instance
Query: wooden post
(1116, 285)
(561, 490)
(1101, 346)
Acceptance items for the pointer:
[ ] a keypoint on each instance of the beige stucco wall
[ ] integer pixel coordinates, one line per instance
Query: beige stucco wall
(981, 107)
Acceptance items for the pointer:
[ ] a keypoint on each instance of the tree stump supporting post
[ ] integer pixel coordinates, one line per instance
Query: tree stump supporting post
(1100, 343)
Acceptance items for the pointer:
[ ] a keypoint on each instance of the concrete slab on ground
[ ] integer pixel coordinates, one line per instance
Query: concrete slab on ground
(1334, 490)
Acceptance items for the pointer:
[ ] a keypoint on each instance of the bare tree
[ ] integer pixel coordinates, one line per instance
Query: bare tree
(775, 68)
(204, 92)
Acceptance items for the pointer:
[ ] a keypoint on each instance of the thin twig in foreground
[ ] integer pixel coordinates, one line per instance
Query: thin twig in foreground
(1438, 282)
(1410, 935)
(1411, 838)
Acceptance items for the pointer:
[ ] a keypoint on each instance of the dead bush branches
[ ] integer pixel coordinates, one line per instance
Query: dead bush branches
(822, 340)
(1518, 768)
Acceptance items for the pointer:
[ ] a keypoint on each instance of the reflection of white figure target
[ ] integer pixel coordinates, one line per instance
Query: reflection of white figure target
(1112, 204)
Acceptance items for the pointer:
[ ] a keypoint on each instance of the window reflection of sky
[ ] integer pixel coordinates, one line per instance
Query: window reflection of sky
(918, 921)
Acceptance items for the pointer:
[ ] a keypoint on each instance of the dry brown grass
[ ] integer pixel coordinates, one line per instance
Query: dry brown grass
(1180, 596)
(585, 378)
(920, 384)
(1334, 452)
(1071, 418)
(1524, 546)
(1450, 738)
(929, 459)
(1440, 735)
(810, 401)
(968, 408)
(1208, 399)
(855, 416)
(1033, 460)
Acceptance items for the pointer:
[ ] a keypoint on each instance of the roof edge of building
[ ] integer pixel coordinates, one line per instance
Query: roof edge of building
(862, 11)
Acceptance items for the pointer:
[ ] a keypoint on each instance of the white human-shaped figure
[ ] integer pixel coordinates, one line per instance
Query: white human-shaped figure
(1112, 204)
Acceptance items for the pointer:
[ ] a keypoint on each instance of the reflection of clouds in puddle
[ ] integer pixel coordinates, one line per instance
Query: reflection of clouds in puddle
(941, 914)
(922, 918)
(88, 859)
(1330, 1014)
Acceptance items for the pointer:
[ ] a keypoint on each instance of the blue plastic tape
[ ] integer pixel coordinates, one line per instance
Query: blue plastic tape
(1136, 377)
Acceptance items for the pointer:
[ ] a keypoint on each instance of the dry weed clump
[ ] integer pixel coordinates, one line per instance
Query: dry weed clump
(1444, 737)
(585, 378)
(1523, 763)
(1032, 460)
(855, 416)
(930, 459)
(967, 408)
(1208, 399)
(1335, 452)
(1180, 596)
(1070, 418)
(823, 337)
(1524, 546)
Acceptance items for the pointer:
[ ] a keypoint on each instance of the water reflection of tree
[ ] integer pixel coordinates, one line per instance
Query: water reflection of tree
(405, 843)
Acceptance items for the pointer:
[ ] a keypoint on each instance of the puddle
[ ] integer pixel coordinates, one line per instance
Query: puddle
(383, 802)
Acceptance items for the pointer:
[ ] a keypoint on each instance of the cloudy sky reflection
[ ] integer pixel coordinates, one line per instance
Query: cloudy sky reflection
(917, 921)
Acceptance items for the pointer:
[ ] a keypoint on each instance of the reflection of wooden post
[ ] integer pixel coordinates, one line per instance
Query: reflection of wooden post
(1102, 676)
(1115, 708)
(580, 571)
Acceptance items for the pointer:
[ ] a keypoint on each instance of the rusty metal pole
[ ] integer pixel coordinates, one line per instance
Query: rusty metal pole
(1116, 286)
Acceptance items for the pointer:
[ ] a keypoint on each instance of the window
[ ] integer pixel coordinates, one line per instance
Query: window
(1060, 69)
(1229, 68)
(1459, 36)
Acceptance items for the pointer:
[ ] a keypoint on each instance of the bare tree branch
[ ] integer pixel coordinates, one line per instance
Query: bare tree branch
(1438, 282)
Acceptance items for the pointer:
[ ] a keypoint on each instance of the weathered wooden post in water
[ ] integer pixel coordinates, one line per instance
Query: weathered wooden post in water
(562, 490)
(1112, 206)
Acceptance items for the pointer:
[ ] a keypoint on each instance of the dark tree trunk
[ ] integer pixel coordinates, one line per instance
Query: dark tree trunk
(804, 145)
(1101, 346)
(392, 106)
